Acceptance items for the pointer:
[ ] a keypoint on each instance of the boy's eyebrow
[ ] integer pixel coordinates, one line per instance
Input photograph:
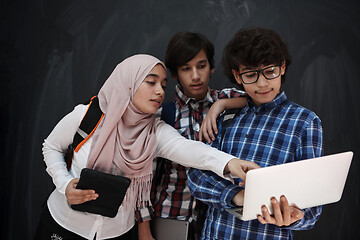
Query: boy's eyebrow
(248, 69)
(254, 68)
(201, 61)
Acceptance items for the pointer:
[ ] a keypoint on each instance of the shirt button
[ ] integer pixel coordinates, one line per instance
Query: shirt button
(195, 105)
(246, 135)
(196, 127)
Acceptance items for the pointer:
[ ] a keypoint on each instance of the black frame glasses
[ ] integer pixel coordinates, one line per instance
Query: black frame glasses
(258, 74)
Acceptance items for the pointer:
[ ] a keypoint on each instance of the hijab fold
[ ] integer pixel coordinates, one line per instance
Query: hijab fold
(125, 139)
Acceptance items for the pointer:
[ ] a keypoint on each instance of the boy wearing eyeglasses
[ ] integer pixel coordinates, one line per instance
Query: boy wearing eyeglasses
(270, 130)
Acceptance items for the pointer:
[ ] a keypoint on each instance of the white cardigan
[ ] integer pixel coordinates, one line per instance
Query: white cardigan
(170, 145)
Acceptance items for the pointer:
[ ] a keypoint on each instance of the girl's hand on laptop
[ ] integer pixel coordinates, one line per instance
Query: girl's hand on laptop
(239, 168)
(283, 214)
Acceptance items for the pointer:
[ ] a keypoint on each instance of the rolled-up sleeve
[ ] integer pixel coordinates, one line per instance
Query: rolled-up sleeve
(211, 189)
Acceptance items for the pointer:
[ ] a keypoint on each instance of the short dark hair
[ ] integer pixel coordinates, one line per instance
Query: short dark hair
(253, 47)
(184, 46)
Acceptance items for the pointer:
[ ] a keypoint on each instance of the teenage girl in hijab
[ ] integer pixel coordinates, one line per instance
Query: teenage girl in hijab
(128, 137)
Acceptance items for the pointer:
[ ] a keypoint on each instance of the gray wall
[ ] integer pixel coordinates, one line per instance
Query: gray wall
(56, 54)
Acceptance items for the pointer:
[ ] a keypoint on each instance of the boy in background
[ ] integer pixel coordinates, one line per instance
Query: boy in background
(190, 59)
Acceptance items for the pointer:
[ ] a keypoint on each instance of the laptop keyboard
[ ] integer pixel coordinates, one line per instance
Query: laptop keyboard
(240, 211)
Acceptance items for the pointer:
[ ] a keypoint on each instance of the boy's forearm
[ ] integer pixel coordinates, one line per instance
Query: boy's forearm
(233, 103)
(211, 189)
(144, 231)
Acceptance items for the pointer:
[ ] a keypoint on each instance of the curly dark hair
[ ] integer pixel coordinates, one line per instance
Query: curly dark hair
(254, 47)
(184, 46)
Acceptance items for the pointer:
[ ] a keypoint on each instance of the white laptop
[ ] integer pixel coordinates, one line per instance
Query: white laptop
(306, 183)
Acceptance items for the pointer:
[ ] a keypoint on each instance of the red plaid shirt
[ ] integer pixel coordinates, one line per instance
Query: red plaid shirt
(172, 198)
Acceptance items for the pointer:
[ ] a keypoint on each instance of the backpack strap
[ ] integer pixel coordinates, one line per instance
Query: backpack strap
(229, 115)
(168, 113)
(89, 123)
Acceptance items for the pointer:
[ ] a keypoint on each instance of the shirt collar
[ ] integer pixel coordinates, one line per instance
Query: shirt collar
(181, 99)
(277, 101)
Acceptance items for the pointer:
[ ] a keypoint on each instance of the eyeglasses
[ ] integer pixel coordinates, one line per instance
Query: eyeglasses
(269, 73)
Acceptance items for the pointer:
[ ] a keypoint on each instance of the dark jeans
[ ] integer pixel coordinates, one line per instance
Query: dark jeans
(49, 229)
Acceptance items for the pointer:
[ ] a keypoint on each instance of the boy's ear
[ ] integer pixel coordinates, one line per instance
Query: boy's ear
(212, 71)
(236, 76)
(283, 68)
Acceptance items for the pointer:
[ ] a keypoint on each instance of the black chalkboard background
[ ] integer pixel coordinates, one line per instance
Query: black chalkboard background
(56, 54)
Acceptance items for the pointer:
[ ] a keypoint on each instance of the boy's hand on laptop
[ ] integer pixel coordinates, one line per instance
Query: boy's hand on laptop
(283, 213)
(239, 168)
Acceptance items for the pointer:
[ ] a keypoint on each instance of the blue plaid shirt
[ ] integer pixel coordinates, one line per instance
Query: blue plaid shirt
(270, 134)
